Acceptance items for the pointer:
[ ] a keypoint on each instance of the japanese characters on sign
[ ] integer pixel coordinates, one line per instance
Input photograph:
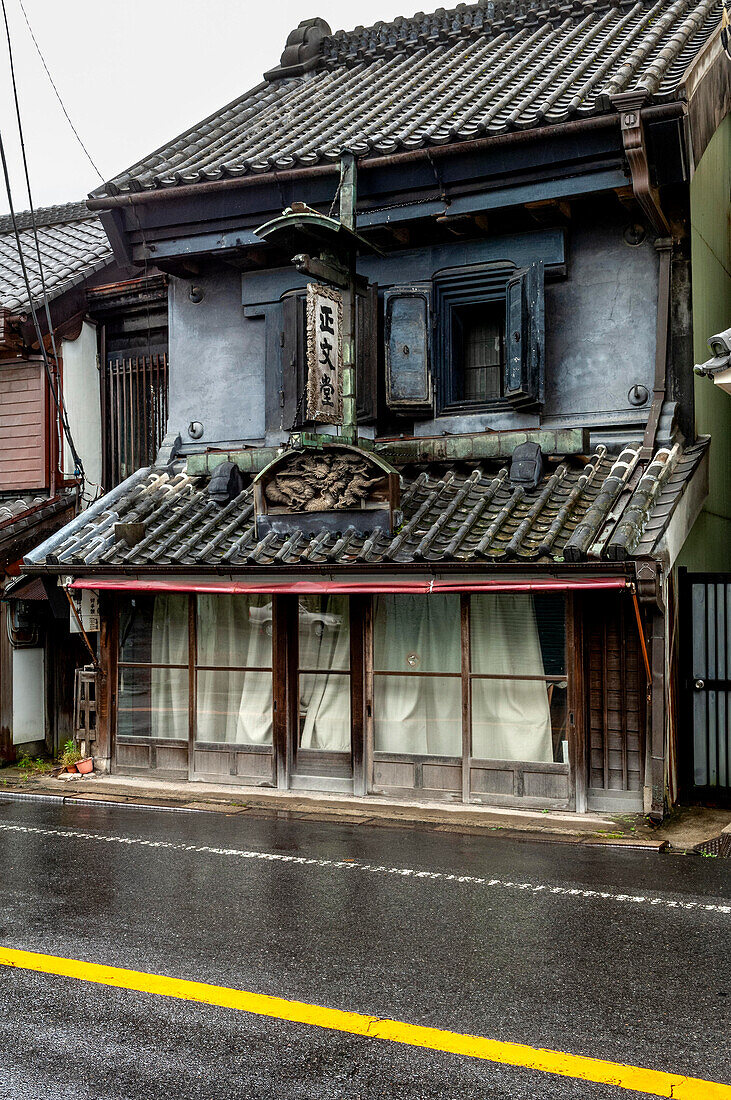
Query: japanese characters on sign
(324, 354)
(86, 603)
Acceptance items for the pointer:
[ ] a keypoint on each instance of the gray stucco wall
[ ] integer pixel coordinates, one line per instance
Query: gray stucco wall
(216, 362)
(600, 324)
(600, 333)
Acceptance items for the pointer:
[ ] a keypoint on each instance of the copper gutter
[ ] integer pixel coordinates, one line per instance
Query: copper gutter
(431, 152)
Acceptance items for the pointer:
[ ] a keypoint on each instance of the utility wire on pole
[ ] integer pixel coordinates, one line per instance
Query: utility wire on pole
(54, 388)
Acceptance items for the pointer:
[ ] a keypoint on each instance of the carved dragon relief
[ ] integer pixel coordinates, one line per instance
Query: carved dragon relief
(322, 482)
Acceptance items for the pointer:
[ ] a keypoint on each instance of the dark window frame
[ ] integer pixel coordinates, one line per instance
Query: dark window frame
(456, 288)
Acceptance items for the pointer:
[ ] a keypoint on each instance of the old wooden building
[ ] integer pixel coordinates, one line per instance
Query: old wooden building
(432, 452)
(105, 337)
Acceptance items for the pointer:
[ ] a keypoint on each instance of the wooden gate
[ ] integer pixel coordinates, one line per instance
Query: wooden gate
(706, 685)
(135, 414)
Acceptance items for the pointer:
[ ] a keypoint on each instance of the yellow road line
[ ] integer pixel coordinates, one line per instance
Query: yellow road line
(649, 1081)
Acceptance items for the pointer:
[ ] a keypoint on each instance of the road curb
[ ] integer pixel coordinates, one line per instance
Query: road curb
(537, 831)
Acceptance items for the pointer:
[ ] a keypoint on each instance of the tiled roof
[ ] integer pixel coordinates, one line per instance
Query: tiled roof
(478, 69)
(608, 508)
(12, 507)
(20, 516)
(72, 244)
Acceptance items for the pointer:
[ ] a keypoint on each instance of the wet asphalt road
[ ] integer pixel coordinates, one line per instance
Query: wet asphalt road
(636, 982)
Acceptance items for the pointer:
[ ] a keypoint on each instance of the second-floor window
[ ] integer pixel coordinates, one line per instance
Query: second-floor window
(478, 351)
(472, 340)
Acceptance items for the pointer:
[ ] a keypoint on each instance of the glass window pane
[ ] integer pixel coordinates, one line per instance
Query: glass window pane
(235, 631)
(324, 699)
(153, 702)
(154, 628)
(517, 634)
(519, 720)
(417, 633)
(234, 707)
(418, 714)
(324, 632)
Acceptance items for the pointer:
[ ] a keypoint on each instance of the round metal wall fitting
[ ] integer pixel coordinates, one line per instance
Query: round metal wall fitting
(634, 234)
(638, 395)
(196, 294)
(195, 429)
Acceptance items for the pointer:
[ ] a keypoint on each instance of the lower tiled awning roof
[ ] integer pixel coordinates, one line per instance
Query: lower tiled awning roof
(609, 508)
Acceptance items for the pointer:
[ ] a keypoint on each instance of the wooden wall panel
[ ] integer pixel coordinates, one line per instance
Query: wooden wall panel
(615, 695)
(23, 431)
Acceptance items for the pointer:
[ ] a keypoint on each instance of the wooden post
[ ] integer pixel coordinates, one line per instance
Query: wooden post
(192, 680)
(357, 691)
(577, 670)
(107, 685)
(7, 749)
(466, 666)
(284, 651)
(368, 699)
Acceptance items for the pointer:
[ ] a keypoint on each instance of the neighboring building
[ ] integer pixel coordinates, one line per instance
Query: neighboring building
(476, 601)
(39, 486)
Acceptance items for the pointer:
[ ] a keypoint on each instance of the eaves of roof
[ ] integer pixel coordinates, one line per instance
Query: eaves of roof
(73, 247)
(22, 520)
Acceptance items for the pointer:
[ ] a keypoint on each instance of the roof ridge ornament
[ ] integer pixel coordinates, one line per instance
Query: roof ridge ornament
(302, 51)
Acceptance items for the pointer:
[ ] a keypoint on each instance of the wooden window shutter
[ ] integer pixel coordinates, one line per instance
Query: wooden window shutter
(409, 389)
(366, 380)
(294, 362)
(525, 337)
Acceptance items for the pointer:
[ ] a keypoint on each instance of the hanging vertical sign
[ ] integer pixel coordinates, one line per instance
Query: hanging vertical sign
(86, 603)
(324, 354)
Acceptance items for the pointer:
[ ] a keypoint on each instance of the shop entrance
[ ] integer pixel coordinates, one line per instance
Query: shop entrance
(320, 735)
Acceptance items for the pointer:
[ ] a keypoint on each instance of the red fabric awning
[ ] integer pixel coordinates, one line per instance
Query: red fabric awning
(354, 587)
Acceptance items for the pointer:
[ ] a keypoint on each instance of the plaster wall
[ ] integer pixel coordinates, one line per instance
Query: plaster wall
(601, 295)
(83, 404)
(708, 548)
(217, 375)
(600, 325)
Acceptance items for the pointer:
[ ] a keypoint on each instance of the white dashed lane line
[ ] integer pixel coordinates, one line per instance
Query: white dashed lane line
(352, 865)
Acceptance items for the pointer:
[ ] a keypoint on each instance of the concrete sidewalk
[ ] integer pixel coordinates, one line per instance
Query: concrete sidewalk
(681, 831)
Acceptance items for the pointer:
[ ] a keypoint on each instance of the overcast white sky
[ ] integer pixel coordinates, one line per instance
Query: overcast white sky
(134, 73)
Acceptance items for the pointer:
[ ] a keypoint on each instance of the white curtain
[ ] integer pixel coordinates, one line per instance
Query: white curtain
(324, 696)
(235, 703)
(511, 719)
(418, 714)
(169, 686)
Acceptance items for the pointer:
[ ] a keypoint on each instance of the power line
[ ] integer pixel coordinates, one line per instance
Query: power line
(55, 393)
(27, 180)
(58, 94)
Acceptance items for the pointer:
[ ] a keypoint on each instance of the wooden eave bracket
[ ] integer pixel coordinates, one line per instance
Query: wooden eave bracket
(629, 106)
(648, 582)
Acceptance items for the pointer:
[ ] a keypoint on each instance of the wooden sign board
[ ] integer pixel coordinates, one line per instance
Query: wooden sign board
(324, 354)
(86, 602)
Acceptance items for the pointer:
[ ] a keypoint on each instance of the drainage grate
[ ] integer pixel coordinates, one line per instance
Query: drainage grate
(719, 846)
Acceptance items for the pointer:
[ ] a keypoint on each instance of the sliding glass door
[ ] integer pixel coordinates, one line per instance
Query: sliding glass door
(442, 696)
(233, 688)
(321, 741)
